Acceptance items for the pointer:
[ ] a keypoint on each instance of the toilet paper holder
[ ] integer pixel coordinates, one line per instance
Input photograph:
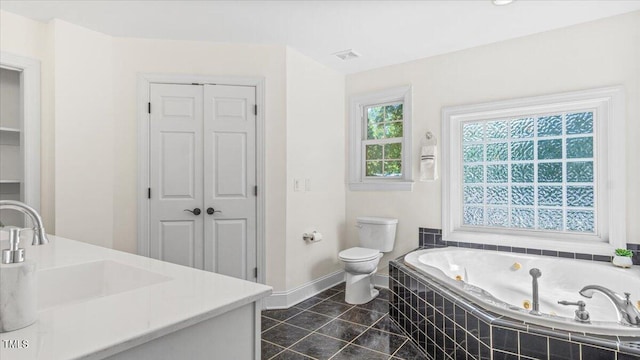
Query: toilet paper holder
(313, 237)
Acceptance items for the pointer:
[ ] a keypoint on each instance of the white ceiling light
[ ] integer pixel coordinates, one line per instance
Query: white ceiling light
(502, 2)
(348, 54)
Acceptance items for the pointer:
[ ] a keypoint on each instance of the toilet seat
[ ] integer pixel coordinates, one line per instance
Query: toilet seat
(357, 254)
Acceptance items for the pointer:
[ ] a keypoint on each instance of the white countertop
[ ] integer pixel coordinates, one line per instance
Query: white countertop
(104, 326)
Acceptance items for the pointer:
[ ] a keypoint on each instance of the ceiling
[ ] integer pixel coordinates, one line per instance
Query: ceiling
(383, 32)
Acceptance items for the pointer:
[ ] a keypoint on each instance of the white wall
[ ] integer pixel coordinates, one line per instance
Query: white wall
(596, 54)
(315, 142)
(84, 134)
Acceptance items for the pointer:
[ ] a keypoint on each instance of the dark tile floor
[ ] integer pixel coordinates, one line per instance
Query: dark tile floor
(325, 327)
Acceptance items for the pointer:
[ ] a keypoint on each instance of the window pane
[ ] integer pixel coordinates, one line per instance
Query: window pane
(473, 174)
(392, 168)
(550, 149)
(522, 218)
(550, 219)
(375, 114)
(580, 196)
(473, 195)
(550, 125)
(580, 171)
(580, 123)
(393, 112)
(580, 147)
(522, 128)
(522, 150)
(497, 195)
(497, 152)
(497, 129)
(473, 153)
(374, 152)
(522, 173)
(550, 195)
(393, 130)
(580, 221)
(473, 215)
(393, 151)
(498, 216)
(512, 179)
(473, 132)
(497, 173)
(375, 131)
(550, 172)
(374, 168)
(522, 195)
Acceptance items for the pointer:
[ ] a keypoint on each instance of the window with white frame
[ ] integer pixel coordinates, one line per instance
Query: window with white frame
(545, 171)
(380, 141)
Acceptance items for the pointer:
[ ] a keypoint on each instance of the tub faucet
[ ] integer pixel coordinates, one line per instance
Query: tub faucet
(535, 303)
(628, 313)
(39, 235)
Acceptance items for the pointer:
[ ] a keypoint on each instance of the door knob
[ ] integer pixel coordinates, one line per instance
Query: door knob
(195, 211)
(212, 211)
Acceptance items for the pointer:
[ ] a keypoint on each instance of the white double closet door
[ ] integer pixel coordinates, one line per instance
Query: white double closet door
(202, 171)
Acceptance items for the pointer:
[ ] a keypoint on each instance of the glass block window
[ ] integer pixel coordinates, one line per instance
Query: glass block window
(383, 140)
(533, 172)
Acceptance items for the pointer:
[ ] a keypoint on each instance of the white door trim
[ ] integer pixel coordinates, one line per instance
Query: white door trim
(30, 136)
(144, 82)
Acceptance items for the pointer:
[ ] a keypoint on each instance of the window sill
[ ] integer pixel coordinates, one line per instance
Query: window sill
(558, 244)
(382, 186)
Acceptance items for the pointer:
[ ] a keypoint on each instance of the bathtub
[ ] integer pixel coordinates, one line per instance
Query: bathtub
(500, 282)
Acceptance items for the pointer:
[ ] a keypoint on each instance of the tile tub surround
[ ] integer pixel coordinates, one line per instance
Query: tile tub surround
(325, 327)
(430, 238)
(448, 327)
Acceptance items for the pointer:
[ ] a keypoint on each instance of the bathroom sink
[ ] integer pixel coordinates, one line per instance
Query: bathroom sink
(87, 281)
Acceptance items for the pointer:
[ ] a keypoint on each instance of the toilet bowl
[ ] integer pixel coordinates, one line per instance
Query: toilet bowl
(360, 264)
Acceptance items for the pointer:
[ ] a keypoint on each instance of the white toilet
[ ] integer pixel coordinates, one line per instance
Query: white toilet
(377, 235)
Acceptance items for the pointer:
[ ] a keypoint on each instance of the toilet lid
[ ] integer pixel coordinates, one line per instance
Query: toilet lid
(358, 254)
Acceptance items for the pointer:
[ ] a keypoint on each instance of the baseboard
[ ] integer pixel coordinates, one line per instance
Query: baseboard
(286, 299)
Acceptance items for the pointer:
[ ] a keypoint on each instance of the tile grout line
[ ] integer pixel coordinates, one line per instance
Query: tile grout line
(399, 347)
(352, 342)
(364, 347)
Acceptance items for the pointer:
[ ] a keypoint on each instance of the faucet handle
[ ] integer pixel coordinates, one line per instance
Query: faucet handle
(627, 296)
(581, 314)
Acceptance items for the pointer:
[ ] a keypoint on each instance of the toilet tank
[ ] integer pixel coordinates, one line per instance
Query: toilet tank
(377, 232)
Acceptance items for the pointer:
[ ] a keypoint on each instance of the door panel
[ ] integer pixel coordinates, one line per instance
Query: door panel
(175, 174)
(229, 172)
(177, 162)
(231, 247)
(178, 242)
(231, 165)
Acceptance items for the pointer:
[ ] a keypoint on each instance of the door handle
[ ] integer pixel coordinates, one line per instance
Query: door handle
(212, 211)
(195, 211)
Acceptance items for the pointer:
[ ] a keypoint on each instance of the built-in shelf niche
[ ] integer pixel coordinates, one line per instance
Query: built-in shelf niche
(19, 134)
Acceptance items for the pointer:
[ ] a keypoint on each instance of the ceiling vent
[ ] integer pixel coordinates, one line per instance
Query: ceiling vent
(348, 54)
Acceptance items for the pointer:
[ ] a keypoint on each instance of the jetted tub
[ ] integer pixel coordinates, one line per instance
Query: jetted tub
(500, 282)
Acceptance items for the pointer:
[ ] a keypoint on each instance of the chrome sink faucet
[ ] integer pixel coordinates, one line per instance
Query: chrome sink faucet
(535, 302)
(14, 254)
(628, 313)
